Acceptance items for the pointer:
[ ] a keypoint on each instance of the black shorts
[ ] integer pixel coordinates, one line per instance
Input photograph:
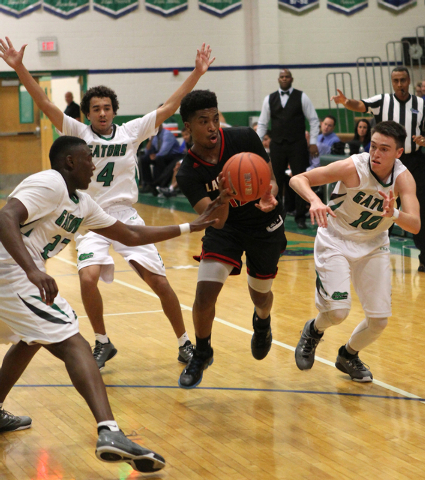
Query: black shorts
(262, 247)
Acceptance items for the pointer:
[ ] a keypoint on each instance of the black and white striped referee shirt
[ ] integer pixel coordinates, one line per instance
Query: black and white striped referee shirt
(410, 114)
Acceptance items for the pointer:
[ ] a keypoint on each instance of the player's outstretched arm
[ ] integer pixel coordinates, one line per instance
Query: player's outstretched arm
(15, 60)
(202, 63)
(408, 219)
(348, 103)
(13, 214)
(132, 235)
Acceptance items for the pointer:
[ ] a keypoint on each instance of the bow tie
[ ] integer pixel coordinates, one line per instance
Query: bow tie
(284, 93)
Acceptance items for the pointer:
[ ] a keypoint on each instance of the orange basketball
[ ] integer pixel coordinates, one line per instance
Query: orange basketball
(250, 175)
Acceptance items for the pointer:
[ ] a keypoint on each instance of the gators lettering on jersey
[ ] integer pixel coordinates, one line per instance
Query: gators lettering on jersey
(199, 179)
(358, 210)
(115, 180)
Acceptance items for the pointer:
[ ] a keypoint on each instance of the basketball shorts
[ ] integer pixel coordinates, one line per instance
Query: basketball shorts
(367, 264)
(262, 247)
(23, 316)
(93, 249)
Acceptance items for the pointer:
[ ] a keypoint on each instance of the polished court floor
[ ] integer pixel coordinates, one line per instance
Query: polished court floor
(248, 419)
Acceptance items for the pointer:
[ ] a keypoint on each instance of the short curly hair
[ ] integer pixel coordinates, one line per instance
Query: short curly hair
(101, 92)
(197, 100)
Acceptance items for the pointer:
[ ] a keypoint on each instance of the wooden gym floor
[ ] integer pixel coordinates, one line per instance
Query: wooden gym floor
(248, 419)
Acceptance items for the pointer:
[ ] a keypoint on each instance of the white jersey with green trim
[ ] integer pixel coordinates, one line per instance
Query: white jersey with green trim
(53, 216)
(115, 180)
(358, 210)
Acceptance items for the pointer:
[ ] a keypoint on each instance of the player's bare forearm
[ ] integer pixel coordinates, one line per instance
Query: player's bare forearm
(39, 97)
(409, 222)
(11, 238)
(301, 185)
(354, 105)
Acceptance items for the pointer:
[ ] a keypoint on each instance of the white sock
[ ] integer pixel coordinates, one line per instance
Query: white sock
(183, 339)
(101, 338)
(111, 424)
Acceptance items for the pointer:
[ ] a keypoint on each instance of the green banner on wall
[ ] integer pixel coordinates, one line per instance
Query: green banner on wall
(166, 8)
(19, 8)
(348, 7)
(66, 8)
(115, 8)
(220, 8)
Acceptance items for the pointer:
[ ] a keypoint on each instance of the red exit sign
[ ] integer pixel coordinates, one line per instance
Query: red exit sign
(47, 45)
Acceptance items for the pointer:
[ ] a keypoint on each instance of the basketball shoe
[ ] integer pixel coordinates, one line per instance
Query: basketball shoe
(116, 447)
(185, 352)
(306, 348)
(352, 365)
(103, 352)
(10, 423)
(192, 374)
(261, 341)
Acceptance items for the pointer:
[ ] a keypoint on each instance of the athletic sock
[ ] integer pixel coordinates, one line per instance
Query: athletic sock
(203, 345)
(350, 351)
(101, 338)
(108, 424)
(344, 353)
(262, 322)
(183, 339)
(314, 332)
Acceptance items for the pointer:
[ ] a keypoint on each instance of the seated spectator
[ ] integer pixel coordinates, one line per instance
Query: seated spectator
(162, 151)
(172, 190)
(266, 141)
(362, 134)
(327, 137)
(255, 126)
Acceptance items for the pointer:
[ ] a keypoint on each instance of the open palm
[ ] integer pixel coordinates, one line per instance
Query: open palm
(9, 54)
(203, 60)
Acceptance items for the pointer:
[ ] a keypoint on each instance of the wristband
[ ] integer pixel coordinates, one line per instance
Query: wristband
(184, 228)
(396, 214)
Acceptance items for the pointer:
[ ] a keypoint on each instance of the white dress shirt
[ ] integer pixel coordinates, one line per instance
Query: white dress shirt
(308, 111)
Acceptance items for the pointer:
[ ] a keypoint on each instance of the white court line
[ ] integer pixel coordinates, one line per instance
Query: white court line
(249, 332)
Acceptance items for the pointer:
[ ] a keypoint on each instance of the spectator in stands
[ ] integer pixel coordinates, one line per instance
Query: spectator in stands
(254, 126)
(327, 137)
(362, 135)
(72, 109)
(162, 151)
(223, 123)
(266, 141)
(173, 189)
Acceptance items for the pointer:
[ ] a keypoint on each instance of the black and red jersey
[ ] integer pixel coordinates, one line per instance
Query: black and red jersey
(199, 179)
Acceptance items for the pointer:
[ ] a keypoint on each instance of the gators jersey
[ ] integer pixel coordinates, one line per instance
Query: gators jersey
(53, 216)
(115, 180)
(199, 179)
(358, 210)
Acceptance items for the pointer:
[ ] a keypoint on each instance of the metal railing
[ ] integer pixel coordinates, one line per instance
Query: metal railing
(340, 81)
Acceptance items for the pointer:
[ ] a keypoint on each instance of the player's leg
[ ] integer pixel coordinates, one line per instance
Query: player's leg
(94, 263)
(171, 307)
(372, 282)
(333, 298)
(14, 364)
(112, 445)
(211, 277)
(263, 249)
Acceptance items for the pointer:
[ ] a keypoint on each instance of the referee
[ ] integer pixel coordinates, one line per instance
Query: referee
(408, 111)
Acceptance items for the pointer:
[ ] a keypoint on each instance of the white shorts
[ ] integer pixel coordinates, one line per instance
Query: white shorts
(366, 263)
(23, 316)
(93, 249)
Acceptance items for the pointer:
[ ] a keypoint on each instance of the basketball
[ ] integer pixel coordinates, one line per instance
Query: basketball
(250, 175)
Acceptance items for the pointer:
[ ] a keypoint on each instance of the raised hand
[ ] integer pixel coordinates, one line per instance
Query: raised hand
(46, 284)
(268, 201)
(9, 54)
(389, 202)
(340, 98)
(203, 60)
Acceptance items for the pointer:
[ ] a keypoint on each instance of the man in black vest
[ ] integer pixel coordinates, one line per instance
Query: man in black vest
(288, 109)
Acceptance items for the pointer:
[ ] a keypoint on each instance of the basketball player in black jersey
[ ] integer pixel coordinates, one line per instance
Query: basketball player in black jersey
(255, 228)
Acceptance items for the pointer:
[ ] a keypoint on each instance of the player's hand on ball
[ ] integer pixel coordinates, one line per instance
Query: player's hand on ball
(226, 194)
(268, 201)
